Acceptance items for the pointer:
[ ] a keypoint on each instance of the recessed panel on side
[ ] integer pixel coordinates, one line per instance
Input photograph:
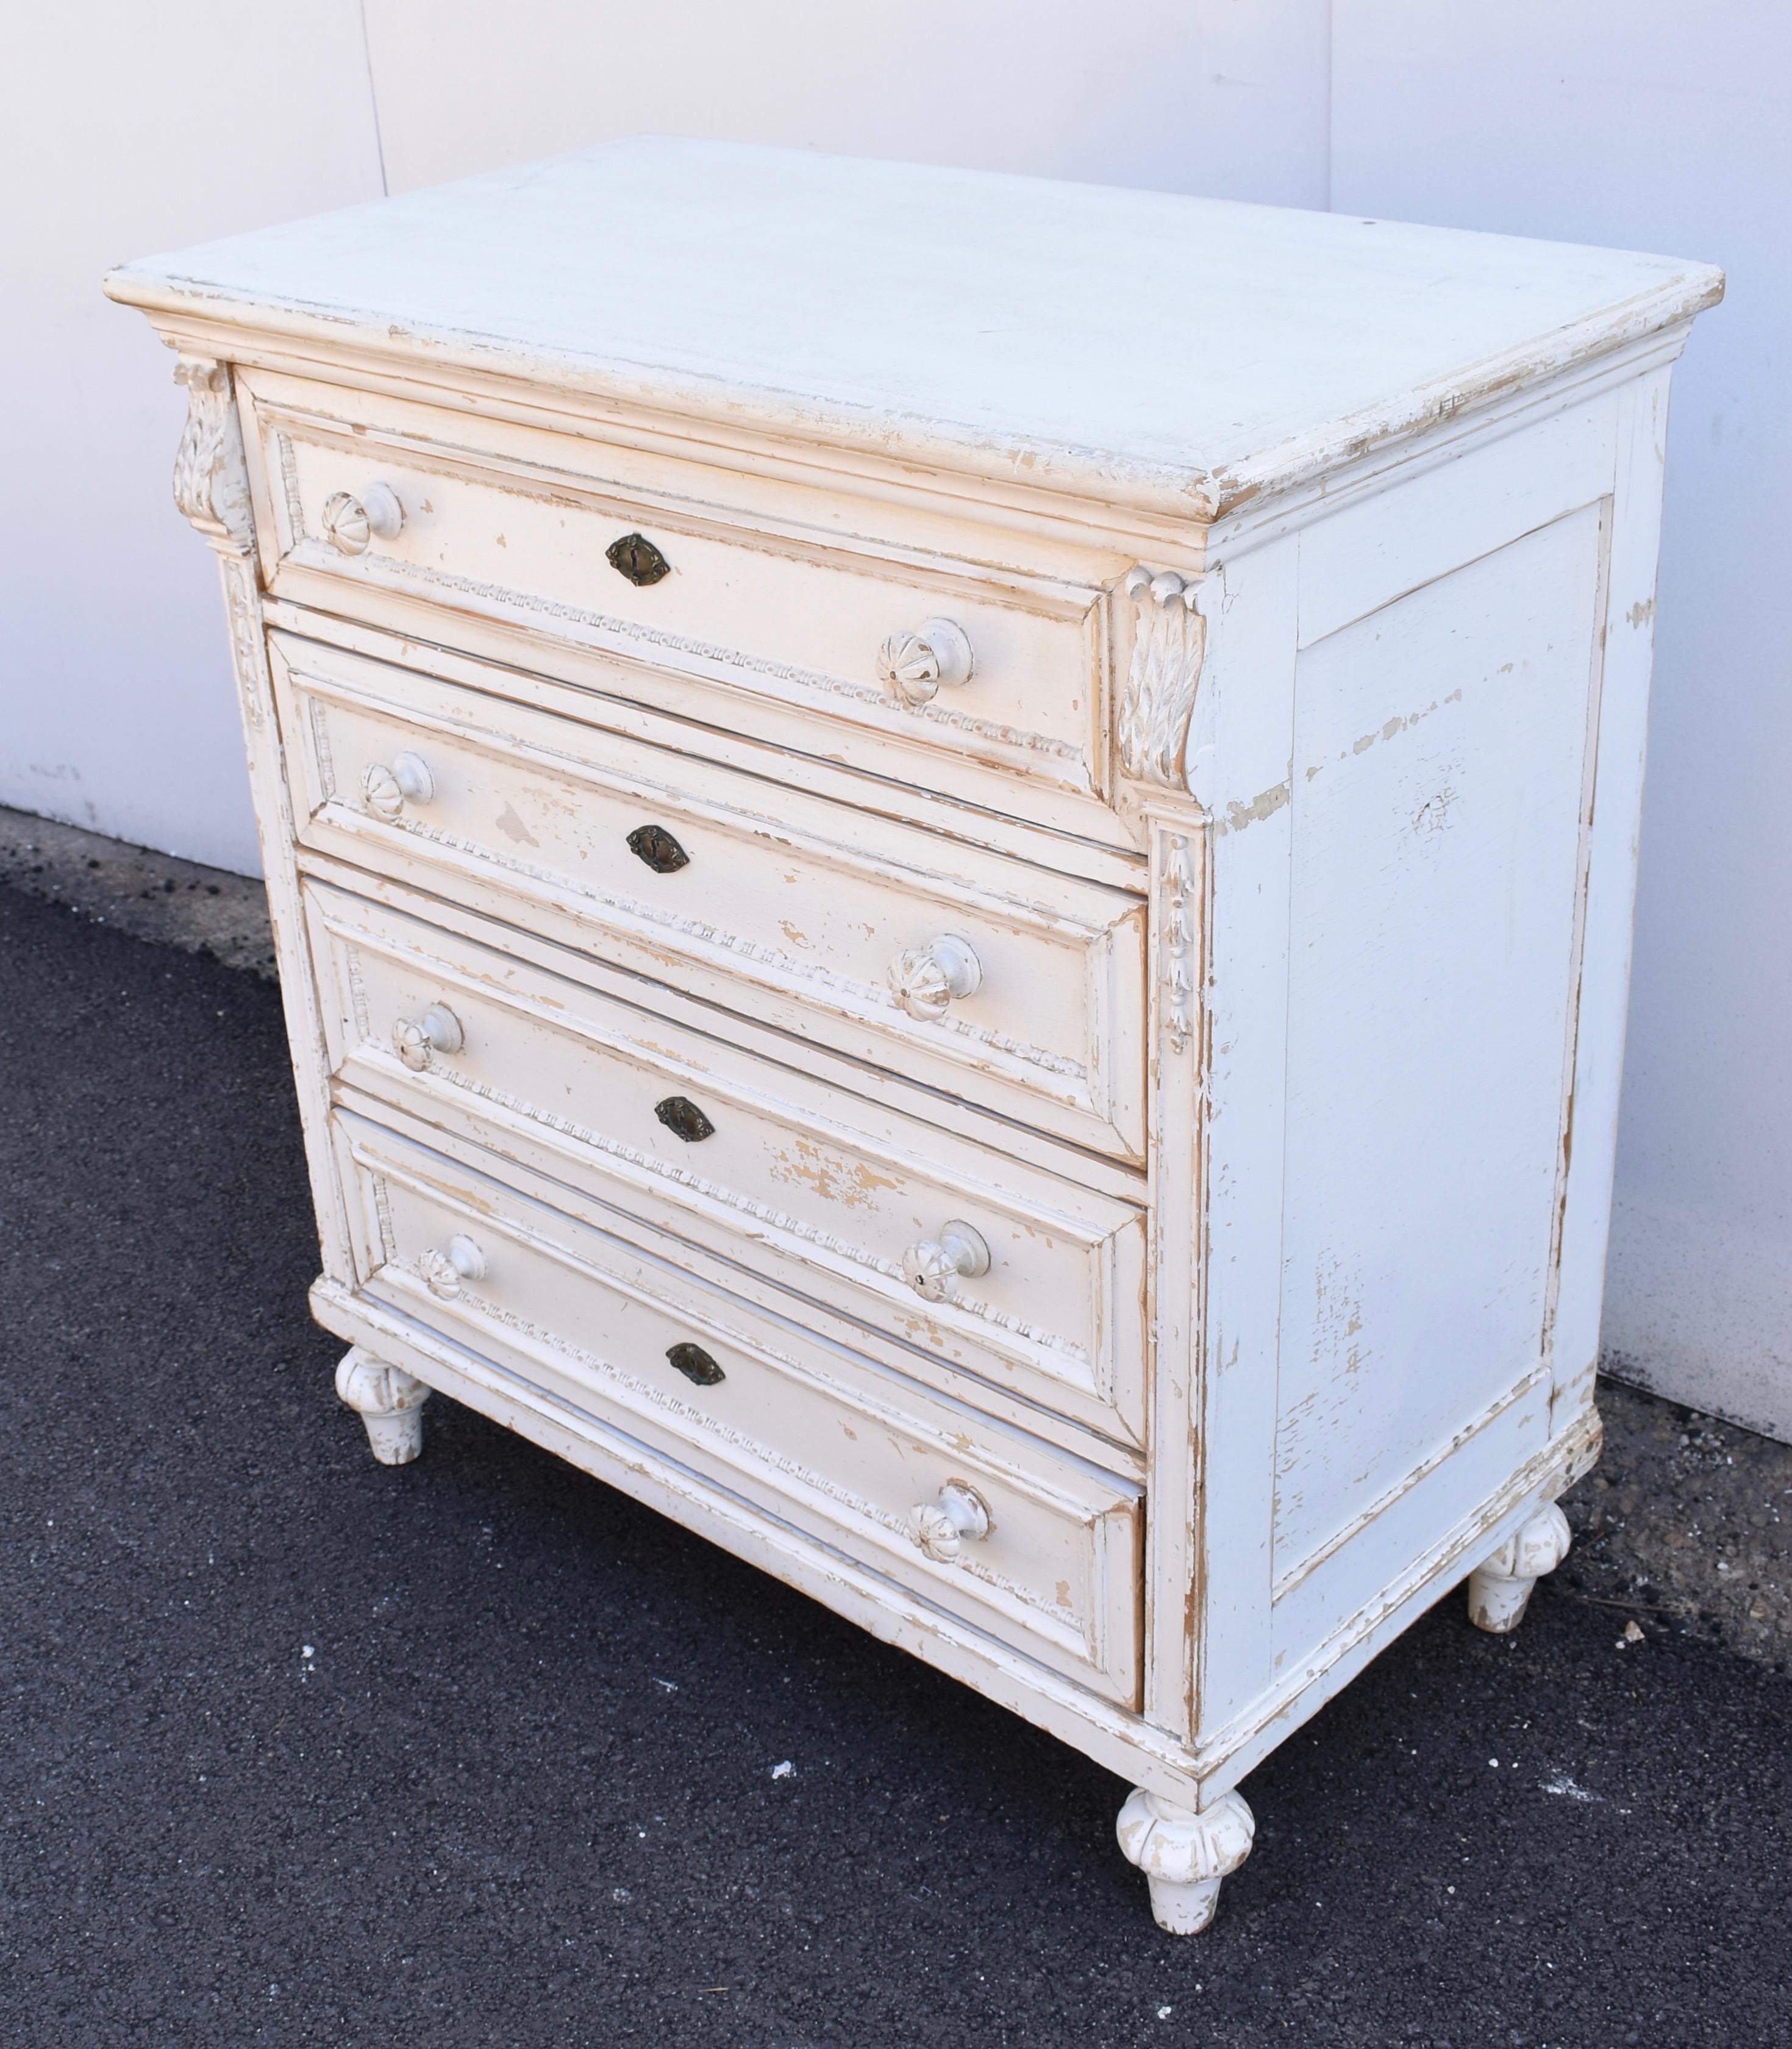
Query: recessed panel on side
(1438, 797)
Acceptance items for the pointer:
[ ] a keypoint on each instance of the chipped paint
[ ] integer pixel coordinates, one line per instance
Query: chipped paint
(1395, 727)
(1433, 815)
(513, 828)
(1263, 805)
(852, 1183)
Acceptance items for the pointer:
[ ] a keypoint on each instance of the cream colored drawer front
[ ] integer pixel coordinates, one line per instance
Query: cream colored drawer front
(769, 592)
(803, 1429)
(824, 1193)
(786, 906)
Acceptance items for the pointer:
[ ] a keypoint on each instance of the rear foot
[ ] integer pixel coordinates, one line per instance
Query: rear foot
(1499, 1587)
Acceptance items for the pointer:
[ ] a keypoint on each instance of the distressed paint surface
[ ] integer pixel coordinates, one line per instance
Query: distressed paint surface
(1317, 335)
(1440, 747)
(799, 899)
(1224, 952)
(788, 1177)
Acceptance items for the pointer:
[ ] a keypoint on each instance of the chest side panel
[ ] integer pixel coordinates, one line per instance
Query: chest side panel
(1441, 747)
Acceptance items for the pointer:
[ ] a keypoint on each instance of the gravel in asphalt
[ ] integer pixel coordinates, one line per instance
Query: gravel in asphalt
(295, 1749)
(137, 890)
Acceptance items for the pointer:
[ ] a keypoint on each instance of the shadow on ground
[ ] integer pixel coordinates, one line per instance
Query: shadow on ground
(294, 1749)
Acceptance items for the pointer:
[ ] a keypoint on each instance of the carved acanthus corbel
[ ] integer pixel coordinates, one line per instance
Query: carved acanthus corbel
(1169, 640)
(212, 488)
(211, 475)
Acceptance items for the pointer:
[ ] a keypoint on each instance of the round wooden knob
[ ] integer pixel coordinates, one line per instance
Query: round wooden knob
(934, 1267)
(957, 1516)
(387, 791)
(446, 1268)
(914, 665)
(419, 1038)
(925, 980)
(350, 523)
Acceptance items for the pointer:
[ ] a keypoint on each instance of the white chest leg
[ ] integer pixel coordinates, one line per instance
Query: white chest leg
(1499, 1587)
(1184, 1854)
(389, 1401)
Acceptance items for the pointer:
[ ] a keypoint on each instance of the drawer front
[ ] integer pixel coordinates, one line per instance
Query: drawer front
(828, 922)
(775, 595)
(825, 1194)
(806, 1431)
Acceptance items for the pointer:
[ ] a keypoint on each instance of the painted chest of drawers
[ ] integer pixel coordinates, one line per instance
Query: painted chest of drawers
(952, 860)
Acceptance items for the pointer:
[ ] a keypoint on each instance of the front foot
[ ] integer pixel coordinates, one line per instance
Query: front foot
(1184, 1854)
(1499, 1587)
(389, 1401)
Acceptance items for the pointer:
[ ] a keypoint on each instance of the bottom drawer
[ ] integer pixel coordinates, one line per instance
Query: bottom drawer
(900, 1479)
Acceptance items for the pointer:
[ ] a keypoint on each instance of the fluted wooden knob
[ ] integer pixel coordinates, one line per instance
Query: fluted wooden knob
(914, 665)
(934, 1267)
(925, 981)
(446, 1268)
(386, 790)
(942, 1527)
(350, 523)
(437, 1030)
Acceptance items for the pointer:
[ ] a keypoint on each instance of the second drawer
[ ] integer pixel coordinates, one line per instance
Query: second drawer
(1017, 987)
(972, 1258)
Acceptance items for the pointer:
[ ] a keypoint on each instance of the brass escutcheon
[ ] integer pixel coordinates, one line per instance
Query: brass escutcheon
(637, 557)
(696, 1364)
(656, 846)
(683, 1119)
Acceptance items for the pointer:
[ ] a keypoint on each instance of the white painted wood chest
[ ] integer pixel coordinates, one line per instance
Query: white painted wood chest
(952, 860)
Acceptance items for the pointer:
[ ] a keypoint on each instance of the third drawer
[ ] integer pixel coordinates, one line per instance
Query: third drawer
(837, 1199)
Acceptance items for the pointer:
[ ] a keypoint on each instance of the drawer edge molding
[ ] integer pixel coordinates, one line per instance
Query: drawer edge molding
(626, 633)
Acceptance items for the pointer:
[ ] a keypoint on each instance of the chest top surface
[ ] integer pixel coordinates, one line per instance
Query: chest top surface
(1180, 354)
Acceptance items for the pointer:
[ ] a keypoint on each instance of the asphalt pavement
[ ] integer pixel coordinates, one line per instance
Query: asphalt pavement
(296, 1749)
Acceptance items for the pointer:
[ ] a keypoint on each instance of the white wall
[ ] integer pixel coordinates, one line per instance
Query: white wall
(1624, 121)
(1211, 95)
(1638, 123)
(125, 130)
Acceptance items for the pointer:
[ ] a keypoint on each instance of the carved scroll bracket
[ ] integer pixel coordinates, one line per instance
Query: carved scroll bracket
(211, 475)
(1169, 642)
(212, 488)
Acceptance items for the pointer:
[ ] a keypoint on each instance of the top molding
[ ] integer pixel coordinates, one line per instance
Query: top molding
(1179, 358)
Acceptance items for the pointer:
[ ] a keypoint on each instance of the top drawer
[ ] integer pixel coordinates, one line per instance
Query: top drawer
(915, 662)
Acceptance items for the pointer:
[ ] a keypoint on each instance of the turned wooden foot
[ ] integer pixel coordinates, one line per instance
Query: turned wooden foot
(1184, 1854)
(389, 1401)
(1499, 1587)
